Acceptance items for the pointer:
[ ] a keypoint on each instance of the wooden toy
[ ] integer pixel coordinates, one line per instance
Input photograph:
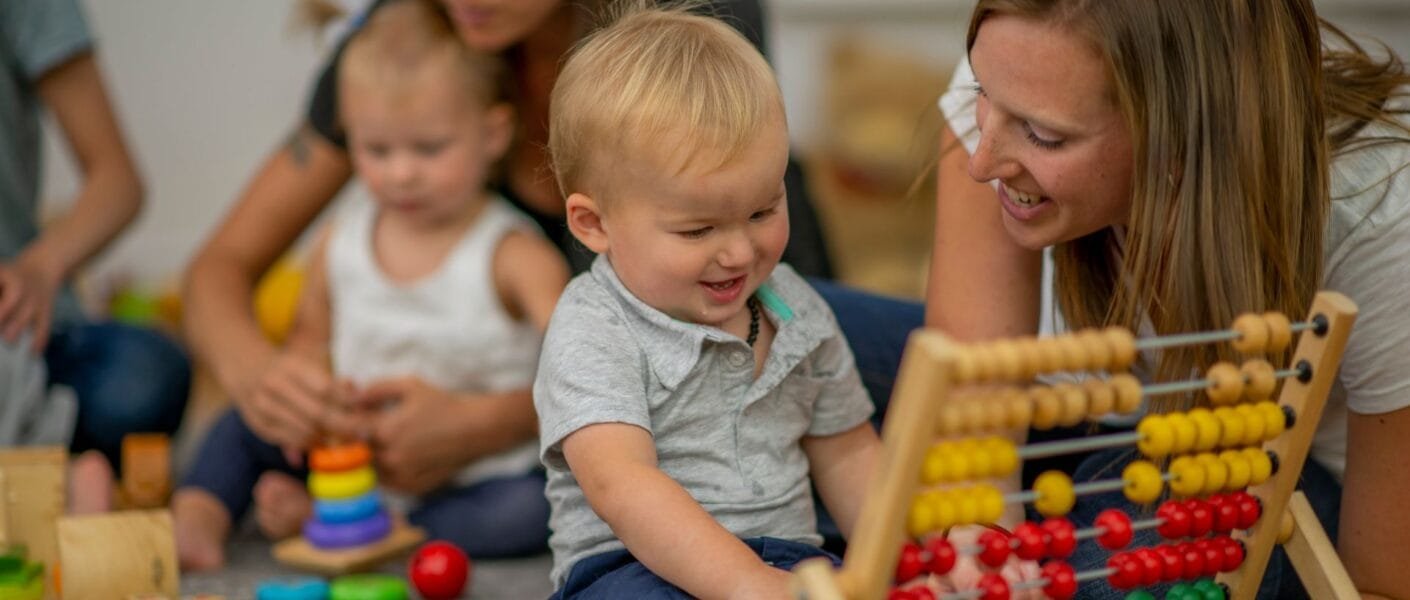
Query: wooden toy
(1231, 468)
(33, 500)
(20, 578)
(146, 471)
(350, 530)
(118, 554)
(439, 570)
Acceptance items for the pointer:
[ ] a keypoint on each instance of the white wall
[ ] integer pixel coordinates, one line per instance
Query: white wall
(206, 88)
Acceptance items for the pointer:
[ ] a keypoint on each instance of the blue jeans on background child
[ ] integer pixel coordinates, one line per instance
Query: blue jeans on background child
(128, 380)
(618, 574)
(495, 518)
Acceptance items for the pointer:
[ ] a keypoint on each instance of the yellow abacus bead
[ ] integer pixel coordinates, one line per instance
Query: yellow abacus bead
(980, 463)
(932, 469)
(1055, 496)
(921, 518)
(1216, 473)
(1231, 427)
(1123, 347)
(966, 507)
(1019, 410)
(1189, 477)
(1046, 407)
(991, 505)
(1098, 350)
(1260, 465)
(1003, 457)
(1274, 421)
(1128, 392)
(951, 421)
(1262, 380)
(1101, 399)
(945, 513)
(1226, 383)
(1253, 424)
(1206, 429)
(957, 466)
(1050, 355)
(1075, 356)
(1157, 436)
(1240, 471)
(1142, 481)
(1184, 429)
(1253, 333)
(1073, 401)
(1279, 331)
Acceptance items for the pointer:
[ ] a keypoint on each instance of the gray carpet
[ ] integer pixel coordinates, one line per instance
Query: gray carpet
(248, 562)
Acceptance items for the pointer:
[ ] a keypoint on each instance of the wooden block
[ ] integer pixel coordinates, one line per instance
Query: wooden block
(34, 500)
(146, 470)
(119, 554)
(300, 554)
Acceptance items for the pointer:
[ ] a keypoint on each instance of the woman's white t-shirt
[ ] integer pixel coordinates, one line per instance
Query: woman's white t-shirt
(1367, 258)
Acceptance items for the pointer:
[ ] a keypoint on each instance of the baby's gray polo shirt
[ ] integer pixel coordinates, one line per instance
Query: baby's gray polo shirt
(732, 441)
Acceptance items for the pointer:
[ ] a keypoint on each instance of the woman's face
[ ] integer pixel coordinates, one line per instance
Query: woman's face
(493, 25)
(1050, 132)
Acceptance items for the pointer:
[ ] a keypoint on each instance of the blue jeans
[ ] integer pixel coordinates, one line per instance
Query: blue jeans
(490, 519)
(618, 574)
(127, 379)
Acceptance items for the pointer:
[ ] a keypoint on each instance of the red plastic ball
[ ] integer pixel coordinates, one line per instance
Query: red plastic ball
(1061, 537)
(439, 570)
(910, 565)
(1194, 561)
(1176, 517)
(994, 548)
(1171, 561)
(994, 586)
(1233, 554)
(942, 555)
(1226, 514)
(1249, 509)
(922, 593)
(1213, 556)
(1062, 581)
(1118, 529)
(1127, 571)
(899, 594)
(1152, 568)
(1201, 517)
(1031, 542)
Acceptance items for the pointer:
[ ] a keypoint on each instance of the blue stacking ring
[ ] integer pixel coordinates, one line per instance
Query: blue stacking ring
(347, 510)
(304, 588)
(345, 535)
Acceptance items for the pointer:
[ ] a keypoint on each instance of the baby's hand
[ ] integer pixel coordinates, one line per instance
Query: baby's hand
(967, 570)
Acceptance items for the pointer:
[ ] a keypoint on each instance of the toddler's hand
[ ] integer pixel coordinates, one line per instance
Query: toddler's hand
(967, 570)
(26, 303)
(415, 439)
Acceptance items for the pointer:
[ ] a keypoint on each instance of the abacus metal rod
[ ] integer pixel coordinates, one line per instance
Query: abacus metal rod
(1080, 489)
(1079, 577)
(1203, 337)
(1079, 535)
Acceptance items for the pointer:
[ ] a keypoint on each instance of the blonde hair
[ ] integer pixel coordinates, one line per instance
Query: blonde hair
(653, 72)
(406, 43)
(1234, 109)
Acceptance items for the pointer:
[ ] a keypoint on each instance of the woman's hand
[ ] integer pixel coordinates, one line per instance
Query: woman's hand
(290, 402)
(417, 432)
(26, 302)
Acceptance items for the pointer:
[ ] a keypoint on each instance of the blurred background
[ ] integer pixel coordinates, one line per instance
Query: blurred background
(205, 88)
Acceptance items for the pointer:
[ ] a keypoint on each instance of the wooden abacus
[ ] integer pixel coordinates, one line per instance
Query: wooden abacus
(1261, 446)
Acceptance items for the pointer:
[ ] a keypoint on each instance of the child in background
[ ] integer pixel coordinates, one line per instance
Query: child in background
(439, 281)
(690, 384)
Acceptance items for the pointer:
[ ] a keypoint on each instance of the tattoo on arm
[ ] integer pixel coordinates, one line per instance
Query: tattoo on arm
(298, 146)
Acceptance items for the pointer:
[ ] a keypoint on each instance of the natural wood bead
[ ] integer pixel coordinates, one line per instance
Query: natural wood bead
(951, 420)
(1075, 355)
(1074, 404)
(1008, 361)
(1020, 410)
(1098, 349)
(985, 366)
(1226, 383)
(1050, 354)
(1101, 398)
(1047, 407)
(996, 413)
(1123, 347)
(1279, 331)
(1029, 356)
(966, 368)
(1128, 392)
(1261, 380)
(973, 416)
(1253, 334)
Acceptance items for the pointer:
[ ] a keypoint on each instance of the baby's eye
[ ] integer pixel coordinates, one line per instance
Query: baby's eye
(429, 148)
(694, 234)
(762, 215)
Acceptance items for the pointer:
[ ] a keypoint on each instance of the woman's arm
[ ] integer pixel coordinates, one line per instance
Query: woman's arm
(1374, 523)
(982, 285)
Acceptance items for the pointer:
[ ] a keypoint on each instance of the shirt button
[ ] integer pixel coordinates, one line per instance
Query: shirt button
(738, 358)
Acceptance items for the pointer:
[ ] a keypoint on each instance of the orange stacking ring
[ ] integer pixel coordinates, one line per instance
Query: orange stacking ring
(342, 457)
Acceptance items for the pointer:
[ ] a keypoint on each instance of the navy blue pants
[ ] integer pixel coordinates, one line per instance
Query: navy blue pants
(495, 518)
(127, 379)
(618, 574)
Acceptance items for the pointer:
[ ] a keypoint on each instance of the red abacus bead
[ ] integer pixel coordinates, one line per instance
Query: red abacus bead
(1127, 571)
(1213, 556)
(1201, 517)
(942, 555)
(1233, 554)
(994, 548)
(1118, 529)
(1226, 514)
(1031, 542)
(1151, 566)
(1176, 517)
(922, 593)
(1249, 509)
(910, 565)
(899, 594)
(1062, 581)
(994, 586)
(1171, 562)
(1193, 561)
(1061, 537)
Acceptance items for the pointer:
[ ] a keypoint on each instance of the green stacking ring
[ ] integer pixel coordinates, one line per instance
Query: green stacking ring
(368, 587)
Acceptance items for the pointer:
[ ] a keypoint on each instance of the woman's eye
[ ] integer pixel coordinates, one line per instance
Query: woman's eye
(1039, 141)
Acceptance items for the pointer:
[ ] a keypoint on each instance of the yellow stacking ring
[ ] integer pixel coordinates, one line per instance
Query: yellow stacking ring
(341, 484)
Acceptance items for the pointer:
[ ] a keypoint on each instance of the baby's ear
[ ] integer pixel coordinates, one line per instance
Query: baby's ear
(499, 128)
(585, 221)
